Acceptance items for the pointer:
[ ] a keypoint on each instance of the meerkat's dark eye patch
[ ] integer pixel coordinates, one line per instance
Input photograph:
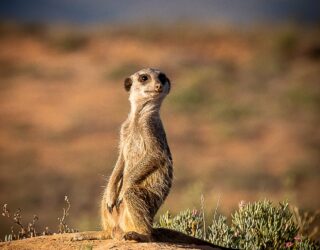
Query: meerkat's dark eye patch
(143, 78)
(127, 83)
(163, 79)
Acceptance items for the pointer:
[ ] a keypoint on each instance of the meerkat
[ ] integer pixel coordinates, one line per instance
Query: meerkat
(142, 176)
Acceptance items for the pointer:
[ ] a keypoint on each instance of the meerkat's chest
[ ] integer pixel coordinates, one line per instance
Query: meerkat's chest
(133, 148)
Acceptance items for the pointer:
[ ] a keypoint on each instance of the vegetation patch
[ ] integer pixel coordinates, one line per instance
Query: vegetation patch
(19, 230)
(258, 225)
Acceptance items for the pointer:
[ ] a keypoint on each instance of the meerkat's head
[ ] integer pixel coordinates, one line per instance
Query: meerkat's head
(147, 85)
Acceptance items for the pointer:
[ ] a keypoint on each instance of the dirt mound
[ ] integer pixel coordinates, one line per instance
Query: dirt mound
(60, 242)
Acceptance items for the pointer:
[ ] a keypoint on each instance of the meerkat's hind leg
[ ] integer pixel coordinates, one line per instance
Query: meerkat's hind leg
(136, 237)
(136, 220)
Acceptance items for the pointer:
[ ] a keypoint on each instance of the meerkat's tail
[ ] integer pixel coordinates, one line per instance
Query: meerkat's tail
(172, 236)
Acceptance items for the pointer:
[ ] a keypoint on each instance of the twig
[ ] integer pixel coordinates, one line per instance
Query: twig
(203, 217)
(216, 209)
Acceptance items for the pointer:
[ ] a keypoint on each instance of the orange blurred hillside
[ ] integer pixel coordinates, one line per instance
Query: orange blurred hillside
(242, 118)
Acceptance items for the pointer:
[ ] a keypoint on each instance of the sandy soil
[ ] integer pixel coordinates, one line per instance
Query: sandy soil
(59, 242)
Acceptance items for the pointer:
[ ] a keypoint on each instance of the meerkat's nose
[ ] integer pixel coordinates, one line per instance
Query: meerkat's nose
(158, 87)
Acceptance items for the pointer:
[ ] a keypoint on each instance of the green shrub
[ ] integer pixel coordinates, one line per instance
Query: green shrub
(188, 222)
(262, 226)
(258, 225)
(220, 233)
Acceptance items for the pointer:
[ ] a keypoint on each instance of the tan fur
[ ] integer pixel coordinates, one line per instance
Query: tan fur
(142, 176)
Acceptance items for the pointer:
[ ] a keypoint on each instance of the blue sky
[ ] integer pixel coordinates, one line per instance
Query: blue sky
(163, 11)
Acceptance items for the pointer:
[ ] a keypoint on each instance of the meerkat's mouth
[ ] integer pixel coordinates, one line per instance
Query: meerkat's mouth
(152, 91)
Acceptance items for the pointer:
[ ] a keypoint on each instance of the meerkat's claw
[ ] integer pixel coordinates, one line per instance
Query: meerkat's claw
(110, 208)
(118, 202)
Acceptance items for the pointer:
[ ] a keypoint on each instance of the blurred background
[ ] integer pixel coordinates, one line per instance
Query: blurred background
(242, 119)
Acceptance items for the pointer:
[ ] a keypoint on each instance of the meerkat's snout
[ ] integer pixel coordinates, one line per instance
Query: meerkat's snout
(158, 87)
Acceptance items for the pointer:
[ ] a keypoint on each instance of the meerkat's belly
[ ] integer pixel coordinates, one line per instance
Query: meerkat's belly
(135, 151)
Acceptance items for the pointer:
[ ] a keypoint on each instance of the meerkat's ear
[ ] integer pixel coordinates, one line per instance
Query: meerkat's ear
(127, 83)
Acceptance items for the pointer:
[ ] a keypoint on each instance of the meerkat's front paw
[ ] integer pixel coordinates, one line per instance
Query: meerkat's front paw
(118, 203)
(111, 202)
(110, 207)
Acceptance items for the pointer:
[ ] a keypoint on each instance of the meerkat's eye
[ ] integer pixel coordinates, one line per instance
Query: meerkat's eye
(143, 78)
